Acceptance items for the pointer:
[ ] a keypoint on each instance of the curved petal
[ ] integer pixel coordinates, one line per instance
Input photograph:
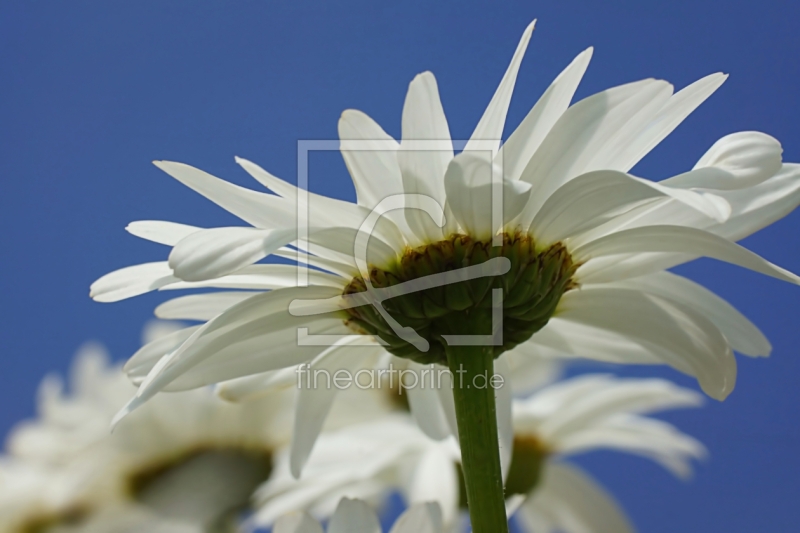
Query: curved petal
(566, 339)
(132, 281)
(735, 161)
(595, 198)
(475, 188)
(743, 335)
(212, 253)
(677, 329)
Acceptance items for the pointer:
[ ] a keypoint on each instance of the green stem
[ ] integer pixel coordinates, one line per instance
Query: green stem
(472, 368)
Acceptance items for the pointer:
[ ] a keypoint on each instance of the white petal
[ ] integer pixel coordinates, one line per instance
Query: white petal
(675, 110)
(752, 209)
(757, 207)
(321, 211)
(530, 368)
(523, 143)
(425, 405)
(590, 133)
(677, 239)
(639, 435)
(132, 281)
(595, 198)
(419, 518)
(342, 269)
(490, 127)
(435, 479)
(255, 386)
(750, 156)
(212, 253)
(200, 306)
(602, 399)
(317, 391)
(264, 277)
(297, 522)
(448, 403)
(257, 334)
(689, 337)
(253, 354)
(354, 516)
(156, 329)
(160, 231)
(425, 151)
(562, 338)
(571, 501)
(370, 156)
(743, 335)
(474, 185)
(257, 209)
(146, 357)
(736, 161)
(505, 425)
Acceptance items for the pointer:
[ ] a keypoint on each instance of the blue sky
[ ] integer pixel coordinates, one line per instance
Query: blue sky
(91, 92)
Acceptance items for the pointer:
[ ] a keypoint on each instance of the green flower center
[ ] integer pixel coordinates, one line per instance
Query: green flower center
(531, 281)
(527, 463)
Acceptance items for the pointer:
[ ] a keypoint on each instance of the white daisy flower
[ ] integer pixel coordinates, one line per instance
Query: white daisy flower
(355, 516)
(545, 493)
(188, 462)
(575, 210)
(545, 242)
(34, 496)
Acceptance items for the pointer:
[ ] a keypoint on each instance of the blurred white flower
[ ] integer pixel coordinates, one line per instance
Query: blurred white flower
(190, 461)
(590, 412)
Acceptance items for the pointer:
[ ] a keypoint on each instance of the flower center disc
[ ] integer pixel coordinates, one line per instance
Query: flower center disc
(205, 487)
(531, 289)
